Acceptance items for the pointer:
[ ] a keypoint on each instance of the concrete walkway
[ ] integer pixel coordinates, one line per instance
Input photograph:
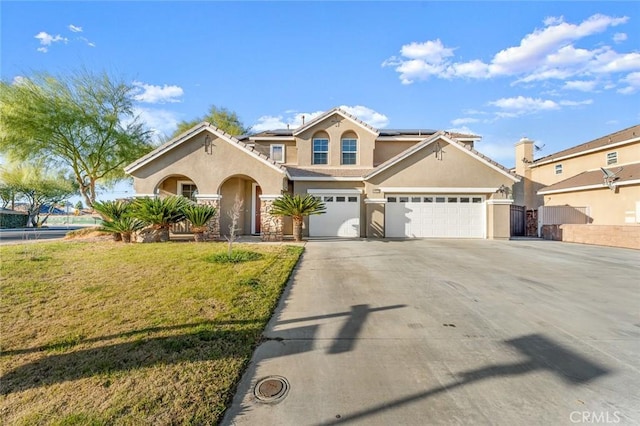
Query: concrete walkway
(452, 332)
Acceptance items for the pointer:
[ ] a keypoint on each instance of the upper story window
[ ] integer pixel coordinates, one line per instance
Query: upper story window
(612, 158)
(349, 150)
(320, 151)
(277, 153)
(558, 169)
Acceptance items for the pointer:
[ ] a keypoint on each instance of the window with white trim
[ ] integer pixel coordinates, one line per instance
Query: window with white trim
(187, 189)
(558, 169)
(349, 150)
(277, 153)
(612, 158)
(320, 151)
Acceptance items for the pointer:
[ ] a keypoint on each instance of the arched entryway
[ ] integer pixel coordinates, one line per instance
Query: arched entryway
(177, 185)
(240, 195)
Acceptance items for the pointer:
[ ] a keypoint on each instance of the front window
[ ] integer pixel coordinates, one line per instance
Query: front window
(277, 153)
(349, 151)
(320, 151)
(188, 190)
(558, 169)
(612, 158)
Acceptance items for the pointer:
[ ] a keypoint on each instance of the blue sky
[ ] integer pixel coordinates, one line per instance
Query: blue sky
(560, 73)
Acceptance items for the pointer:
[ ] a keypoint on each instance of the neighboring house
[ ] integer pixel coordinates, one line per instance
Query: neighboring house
(375, 183)
(602, 175)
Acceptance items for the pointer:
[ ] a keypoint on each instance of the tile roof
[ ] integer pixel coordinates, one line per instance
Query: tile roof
(339, 111)
(619, 136)
(628, 172)
(199, 128)
(326, 172)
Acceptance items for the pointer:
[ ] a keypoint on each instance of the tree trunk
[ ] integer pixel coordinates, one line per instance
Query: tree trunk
(117, 236)
(126, 237)
(297, 229)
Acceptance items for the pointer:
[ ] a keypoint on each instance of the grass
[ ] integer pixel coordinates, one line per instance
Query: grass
(104, 333)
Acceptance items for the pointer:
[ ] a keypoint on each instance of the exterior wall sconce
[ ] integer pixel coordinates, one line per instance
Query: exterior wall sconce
(208, 146)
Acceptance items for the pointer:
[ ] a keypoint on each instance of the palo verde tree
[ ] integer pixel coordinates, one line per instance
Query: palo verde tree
(222, 118)
(83, 121)
(37, 186)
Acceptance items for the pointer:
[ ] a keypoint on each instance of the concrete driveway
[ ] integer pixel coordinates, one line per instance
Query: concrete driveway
(452, 332)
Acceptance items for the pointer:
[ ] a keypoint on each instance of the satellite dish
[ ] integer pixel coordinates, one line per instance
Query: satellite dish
(610, 177)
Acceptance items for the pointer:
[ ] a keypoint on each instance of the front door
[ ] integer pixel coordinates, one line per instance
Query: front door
(256, 210)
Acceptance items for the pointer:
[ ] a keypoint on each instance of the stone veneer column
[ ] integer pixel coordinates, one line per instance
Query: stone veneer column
(213, 226)
(270, 226)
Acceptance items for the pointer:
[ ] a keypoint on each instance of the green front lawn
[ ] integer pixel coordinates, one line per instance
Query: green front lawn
(105, 333)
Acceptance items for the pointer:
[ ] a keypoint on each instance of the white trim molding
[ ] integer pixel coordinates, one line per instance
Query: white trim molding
(327, 179)
(375, 200)
(208, 197)
(435, 190)
(269, 197)
(334, 191)
(500, 202)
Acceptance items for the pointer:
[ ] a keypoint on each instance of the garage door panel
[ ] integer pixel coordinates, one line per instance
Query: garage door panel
(424, 216)
(342, 217)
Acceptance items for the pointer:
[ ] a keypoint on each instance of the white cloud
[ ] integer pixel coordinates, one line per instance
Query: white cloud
(632, 82)
(544, 54)
(159, 121)
(581, 85)
(466, 120)
(292, 119)
(75, 29)
(619, 37)
(152, 94)
(369, 116)
(576, 103)
(47, 40)
(523, 105)
(18, 79)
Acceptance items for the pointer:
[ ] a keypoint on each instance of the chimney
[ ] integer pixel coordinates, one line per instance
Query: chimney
(524, 156)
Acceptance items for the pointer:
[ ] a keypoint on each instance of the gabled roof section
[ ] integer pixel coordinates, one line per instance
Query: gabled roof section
(627, 174)
(453, 142)
(626, 135)
(194, 131)
(340, 112)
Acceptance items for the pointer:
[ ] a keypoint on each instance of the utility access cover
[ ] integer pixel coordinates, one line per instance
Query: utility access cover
(271, 389)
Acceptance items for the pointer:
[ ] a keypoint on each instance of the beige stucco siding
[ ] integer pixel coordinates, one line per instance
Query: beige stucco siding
(208, 170)
(335, 127)
(456, 169)
(607, 207)
(546, 175)
(385, 150)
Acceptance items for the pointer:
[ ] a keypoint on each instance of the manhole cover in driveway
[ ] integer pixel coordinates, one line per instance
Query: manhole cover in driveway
(271, 389)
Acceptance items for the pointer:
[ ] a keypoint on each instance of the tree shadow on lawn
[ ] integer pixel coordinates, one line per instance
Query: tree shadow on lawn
(206, 342)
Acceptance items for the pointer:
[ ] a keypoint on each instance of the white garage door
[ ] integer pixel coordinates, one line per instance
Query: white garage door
(436, 216)
(342, 218)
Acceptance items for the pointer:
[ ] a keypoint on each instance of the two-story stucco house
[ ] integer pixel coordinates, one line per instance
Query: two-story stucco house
(602, 175)
(375, 183)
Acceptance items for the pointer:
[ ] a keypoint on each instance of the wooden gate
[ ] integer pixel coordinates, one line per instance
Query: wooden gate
(518, 214)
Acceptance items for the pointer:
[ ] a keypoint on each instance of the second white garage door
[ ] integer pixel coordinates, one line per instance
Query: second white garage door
(436, 216)
(342, 218)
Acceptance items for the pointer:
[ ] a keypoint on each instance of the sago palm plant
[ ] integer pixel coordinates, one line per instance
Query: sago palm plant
(112, 211)
(297, 207)
(199, 215)
(160, 213)
(124, 226)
